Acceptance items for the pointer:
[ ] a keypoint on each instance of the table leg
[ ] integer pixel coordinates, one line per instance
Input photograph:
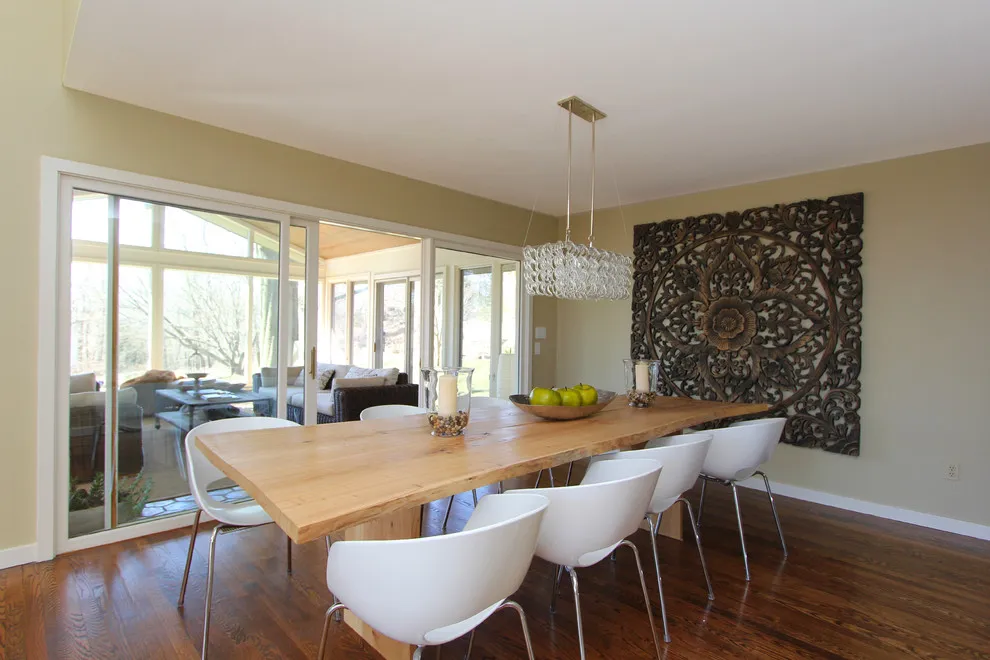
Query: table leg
(403, 524)
(671, 524)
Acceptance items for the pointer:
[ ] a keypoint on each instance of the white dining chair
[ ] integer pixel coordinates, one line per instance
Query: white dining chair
(429, 591)
(682, 457)
(736, 454)
(585, 523)
(391, 410)
(230, 516)
(398, 410)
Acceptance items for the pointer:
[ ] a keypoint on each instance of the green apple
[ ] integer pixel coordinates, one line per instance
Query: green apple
(569, 397)
(544, 396)
(589, 395)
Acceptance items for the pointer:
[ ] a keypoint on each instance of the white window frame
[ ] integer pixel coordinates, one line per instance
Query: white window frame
(60, 175)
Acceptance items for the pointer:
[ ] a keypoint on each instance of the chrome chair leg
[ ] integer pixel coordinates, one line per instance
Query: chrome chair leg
(189, 556)
(474, 496)
(577, 609)
(570, 469)
(557, 573)
(701, 501)
(418, 653)
(701, 553)
(522, 621)
(550, 474)
(773, 508)
(288, 553)
(338, 616)
(742, 538)
(539, 476)
(656, 565)
(646, 598)
(446, 516)
(334, 611)
(209, 589)
(467, 656)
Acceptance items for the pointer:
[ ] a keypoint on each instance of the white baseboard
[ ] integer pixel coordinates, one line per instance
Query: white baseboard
(22, 554)
(873, 509)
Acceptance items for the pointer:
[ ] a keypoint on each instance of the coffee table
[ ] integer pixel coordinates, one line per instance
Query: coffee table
(169, 403)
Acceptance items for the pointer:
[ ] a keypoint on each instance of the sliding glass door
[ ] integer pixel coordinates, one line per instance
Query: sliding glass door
(483, 319)
(176, 316)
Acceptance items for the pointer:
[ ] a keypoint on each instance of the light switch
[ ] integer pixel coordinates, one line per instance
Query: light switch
(541, 333)
(536, 348)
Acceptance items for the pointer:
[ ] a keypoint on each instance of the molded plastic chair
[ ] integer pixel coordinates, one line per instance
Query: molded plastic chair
(585, 523)
(682, 457)
(429, 591)
(391, 410)
(736, 454)
(398, 410)
(230, 516)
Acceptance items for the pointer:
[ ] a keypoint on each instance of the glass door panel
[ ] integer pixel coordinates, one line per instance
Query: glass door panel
(392, 324)
(507, 362)
(338, 323)
(173, 322)
(438, 321)
(476, 326)
(360, 355)
(413, 345)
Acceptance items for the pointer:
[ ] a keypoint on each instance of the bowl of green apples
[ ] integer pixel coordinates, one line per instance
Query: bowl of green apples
(563, 403)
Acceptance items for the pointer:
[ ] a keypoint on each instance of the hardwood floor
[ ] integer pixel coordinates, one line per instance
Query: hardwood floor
(853, 587)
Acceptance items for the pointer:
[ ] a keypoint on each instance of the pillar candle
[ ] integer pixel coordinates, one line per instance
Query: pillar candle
(447, 394)
(642, 377)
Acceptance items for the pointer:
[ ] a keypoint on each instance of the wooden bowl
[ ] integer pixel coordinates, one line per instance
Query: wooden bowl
(561, 413)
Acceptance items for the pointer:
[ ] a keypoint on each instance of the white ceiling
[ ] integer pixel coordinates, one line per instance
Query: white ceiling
(700, 94)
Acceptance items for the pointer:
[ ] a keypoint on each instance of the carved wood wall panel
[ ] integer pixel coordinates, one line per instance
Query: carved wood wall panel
(759, 306)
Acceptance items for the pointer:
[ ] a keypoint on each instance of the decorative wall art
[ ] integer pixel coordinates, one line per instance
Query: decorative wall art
(759, 306)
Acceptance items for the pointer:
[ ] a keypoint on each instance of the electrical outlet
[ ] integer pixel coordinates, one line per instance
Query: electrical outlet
(952, 472)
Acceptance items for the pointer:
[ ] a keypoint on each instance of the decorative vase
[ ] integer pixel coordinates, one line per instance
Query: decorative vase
(448, 396)
(641, 381)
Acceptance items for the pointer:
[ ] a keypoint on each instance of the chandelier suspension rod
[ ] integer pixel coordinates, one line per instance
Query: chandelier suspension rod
(570, 121)
(591, 236)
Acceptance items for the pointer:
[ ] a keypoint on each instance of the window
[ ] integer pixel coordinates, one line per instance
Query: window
(89, 219)
(205, 324)
(414, 305)
(191, 231)
(476, 326)
(392, 310)
(359, 324)
(338, 324)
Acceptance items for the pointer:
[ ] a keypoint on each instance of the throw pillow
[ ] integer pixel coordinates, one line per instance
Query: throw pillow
(82, 383)
(350, 383)
(269, 377)
(391, 376)
(324, 377)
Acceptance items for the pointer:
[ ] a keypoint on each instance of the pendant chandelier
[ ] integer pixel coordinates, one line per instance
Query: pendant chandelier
(574, 271)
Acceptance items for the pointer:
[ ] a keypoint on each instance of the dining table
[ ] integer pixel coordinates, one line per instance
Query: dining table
(367, 480)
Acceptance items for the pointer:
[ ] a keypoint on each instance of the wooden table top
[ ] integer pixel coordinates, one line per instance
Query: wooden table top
(315, 480)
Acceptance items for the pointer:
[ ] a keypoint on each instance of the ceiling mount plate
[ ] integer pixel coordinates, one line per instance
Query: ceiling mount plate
(582, 109)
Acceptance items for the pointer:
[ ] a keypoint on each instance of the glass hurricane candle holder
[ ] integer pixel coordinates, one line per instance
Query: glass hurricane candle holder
(448, 396)
(641, 381)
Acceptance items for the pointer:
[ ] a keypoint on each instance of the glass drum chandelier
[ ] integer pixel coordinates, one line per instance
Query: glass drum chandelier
(575, 271)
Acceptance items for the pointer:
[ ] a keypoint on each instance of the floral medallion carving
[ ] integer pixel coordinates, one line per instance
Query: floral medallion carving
(759, 306)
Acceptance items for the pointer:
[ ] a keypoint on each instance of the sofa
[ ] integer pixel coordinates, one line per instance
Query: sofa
(87, 429)
(338, 400)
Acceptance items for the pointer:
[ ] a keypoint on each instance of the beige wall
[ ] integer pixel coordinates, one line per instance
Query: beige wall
(40, 117)
(926, 311)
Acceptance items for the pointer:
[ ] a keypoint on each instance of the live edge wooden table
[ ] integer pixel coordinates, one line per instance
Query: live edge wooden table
(368, 479)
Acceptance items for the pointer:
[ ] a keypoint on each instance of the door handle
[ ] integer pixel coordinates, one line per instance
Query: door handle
(312, 362)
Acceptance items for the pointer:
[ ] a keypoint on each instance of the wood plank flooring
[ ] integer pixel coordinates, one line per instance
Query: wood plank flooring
(854, 586)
